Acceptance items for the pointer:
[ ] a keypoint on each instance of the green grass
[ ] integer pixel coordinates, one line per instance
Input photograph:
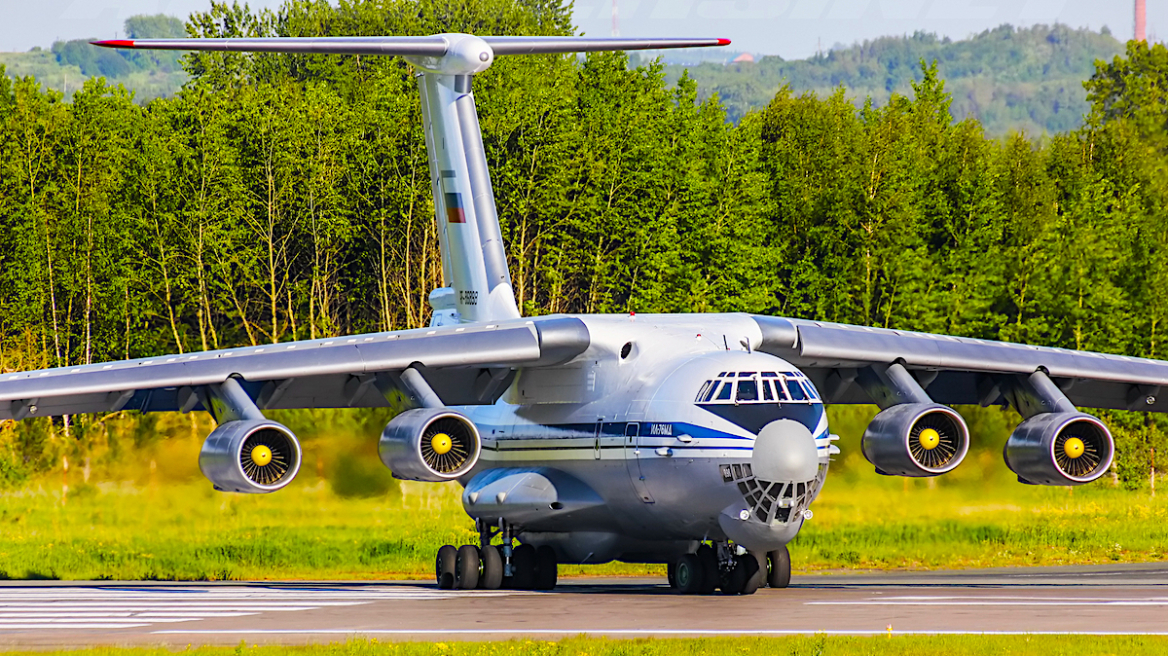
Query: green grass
(144, 512)
(818, 645)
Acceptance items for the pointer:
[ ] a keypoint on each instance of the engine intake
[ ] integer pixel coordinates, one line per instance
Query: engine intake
(1060, 448)
(916, 439)
(251, 456)
(430, 445)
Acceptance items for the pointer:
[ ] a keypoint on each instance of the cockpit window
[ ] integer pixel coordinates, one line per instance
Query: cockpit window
(757, 387)
(796, 390)
(747, 390)
(727, 389)
(702, 393)
(810, 389)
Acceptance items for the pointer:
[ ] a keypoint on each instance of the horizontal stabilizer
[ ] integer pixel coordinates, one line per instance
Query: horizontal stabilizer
(409, 46)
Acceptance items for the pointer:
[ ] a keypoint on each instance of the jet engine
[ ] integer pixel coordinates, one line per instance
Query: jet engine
(916, 439)
(250, 455)
(1060, 448)
(430, 445)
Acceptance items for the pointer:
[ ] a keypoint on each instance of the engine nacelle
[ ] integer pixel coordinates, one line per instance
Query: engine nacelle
(252, 456)
(430, 445)
(1060, 448)
(916, 439)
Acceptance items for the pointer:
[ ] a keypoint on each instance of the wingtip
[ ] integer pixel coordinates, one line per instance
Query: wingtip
(723, 42)
(113, 43)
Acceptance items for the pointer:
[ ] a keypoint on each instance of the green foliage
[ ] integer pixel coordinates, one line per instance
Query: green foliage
(1009, 79)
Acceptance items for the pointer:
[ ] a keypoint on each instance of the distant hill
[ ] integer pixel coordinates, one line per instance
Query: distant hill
(65, 67)
(1027, 79)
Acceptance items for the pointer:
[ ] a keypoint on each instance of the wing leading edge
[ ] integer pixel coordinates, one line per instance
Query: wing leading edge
(466, 365)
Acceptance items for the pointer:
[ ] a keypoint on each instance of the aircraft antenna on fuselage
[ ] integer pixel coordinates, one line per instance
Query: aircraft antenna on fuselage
(474, 263)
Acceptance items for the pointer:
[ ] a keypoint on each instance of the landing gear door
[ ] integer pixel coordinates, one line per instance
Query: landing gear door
(633, 455)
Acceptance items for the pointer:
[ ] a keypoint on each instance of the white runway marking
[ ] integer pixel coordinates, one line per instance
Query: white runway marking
(60, 608)
(991, 600)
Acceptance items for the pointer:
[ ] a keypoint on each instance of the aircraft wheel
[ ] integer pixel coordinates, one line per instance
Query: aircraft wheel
(491, 577)
(779, 572)
(753, 571)
(671, 575)
(546, 568)
(466, 573)
(734, 581)
(688, 574)
(710, 575)
(523, 559)
(444, 567)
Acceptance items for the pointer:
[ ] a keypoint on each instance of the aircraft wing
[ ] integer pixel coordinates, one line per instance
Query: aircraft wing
(960, 370)
(465, 365)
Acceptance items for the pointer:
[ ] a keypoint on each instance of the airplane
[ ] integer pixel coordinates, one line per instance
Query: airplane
(695, 440)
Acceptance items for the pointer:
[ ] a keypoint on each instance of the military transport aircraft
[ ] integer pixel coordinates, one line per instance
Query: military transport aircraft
(695, 440)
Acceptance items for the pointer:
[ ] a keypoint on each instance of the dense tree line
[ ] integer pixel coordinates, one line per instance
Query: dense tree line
(283, 197)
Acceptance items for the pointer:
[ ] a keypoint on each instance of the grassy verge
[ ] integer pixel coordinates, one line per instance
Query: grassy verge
(188, 531)
(819, 645)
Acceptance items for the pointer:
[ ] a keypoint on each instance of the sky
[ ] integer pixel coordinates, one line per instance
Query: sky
(793, 29)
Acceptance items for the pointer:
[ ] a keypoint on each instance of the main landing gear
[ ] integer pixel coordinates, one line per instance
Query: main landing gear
(495, 566)
(721, 567)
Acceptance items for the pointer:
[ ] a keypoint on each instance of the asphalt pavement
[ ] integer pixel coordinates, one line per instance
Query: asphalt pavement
(1116, 599)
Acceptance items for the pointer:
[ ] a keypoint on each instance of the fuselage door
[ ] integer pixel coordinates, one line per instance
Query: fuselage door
(633, 461)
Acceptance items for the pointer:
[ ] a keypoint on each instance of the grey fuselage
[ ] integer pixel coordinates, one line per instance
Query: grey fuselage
(640, 447)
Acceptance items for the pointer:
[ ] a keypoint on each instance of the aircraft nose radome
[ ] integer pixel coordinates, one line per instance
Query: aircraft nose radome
(785, 451)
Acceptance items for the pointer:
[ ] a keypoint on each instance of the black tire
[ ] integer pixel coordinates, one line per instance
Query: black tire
(546, 568)
(734, 581)
(779, 570)
(491, 577)
(466, 572)
(444, 567)
(688, 574)
(710, 575)
(754, 573)
(671, 575)
(523, 567)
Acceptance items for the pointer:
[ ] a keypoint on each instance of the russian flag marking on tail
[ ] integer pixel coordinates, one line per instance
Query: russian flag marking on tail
(454, 211)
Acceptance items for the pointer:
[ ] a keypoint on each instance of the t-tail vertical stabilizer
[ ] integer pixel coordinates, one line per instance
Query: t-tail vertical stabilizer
(474, 263)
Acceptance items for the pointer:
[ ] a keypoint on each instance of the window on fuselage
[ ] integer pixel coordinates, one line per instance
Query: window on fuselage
(747, 390)
(781, 391)
(795, 389)
(726, 391)
(702, 393)
(767, 395)
(810, 389)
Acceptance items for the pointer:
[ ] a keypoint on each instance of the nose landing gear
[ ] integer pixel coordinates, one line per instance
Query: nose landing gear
(720, 567)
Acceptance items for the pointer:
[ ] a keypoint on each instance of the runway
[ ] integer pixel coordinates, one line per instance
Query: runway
(1119, 599)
